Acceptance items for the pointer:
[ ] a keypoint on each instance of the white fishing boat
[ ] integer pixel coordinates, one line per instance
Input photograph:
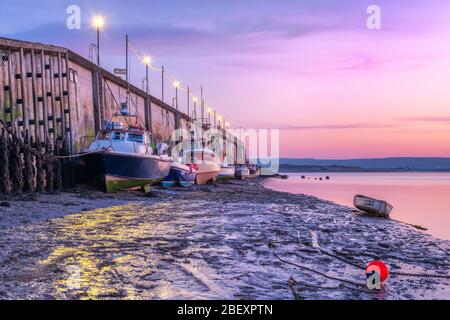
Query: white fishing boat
(205, 163)
(227, 171)
(372, 206)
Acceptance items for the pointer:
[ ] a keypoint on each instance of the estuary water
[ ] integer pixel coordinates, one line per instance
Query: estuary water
(418, 198)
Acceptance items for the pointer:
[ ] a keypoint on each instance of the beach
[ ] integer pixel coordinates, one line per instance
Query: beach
(232, 240)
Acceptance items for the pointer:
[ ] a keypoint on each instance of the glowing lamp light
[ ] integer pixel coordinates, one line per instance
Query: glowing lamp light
(98, 22)
(176, 84)
(147, 60)
(227, 124)
(219, 118)
(209, 110)
(194, 99)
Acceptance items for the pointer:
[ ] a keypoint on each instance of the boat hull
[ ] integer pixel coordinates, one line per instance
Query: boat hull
(242, 173)
(205, 177)
(254, 173)
(206, 172)
(372, 206)
(115, 172)
(226, 173)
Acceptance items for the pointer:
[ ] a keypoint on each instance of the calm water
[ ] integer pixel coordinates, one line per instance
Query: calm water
(418, 198)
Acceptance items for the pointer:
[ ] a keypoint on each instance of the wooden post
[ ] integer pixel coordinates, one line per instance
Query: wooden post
(40, 172)
(148, 113)
(49, 170)
(4, 161)
(236, 150)
(96, 98)
(11, 87)
(51, 93)
(23, 79)
(44, 97)
(68, 104)
(2, 84)
(61, 99)
(35, 94)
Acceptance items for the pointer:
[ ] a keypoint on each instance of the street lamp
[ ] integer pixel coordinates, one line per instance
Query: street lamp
(98, 22)
(195, 99)
(176, 84)
(148, 112)
(209, 111)
(146, 60)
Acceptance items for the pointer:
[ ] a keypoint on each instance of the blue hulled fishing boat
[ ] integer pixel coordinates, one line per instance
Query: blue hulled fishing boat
(121, 158)
(179, 174)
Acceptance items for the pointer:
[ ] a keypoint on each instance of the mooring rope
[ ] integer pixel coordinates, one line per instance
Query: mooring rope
(358, 266)
(315, 271)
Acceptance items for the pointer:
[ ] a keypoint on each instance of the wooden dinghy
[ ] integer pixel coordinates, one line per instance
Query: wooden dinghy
(371, 206)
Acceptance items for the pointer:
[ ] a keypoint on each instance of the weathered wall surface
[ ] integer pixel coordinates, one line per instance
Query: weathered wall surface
(34, 92)
(82, 106)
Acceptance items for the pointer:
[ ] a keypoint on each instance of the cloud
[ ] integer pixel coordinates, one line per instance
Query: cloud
(442, 119)
(344, 126)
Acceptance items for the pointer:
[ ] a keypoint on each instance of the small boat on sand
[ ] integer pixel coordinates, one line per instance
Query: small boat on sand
(179, 174)
(254, 171)
(371, 206)
(242, 172)
(227, 171)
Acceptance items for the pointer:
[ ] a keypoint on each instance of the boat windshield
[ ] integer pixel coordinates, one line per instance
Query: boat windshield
(136, 137)
(118, 136)
(207, 156)
(104, 135)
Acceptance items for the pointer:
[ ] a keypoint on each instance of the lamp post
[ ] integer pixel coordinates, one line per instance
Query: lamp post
(188, 100)
(147, 60)
(209, 115)
(176, 84)
(98, 22)
(202, 104)
(162, 83)
(195, 107)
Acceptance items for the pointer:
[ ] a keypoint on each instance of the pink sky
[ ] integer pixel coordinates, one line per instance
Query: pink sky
(310, 68)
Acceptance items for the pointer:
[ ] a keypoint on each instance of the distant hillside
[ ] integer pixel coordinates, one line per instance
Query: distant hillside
(376, 164)
(295, 168)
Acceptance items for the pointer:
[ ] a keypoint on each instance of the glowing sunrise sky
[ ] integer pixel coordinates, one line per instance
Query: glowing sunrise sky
(310, 68)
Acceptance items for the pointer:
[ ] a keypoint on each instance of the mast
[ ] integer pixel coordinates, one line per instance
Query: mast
(126, 67)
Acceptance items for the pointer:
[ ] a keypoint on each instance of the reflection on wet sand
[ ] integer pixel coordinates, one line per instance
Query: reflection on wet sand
(95, 242)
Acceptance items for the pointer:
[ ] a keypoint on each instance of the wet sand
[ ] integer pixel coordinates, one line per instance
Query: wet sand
(233, 240)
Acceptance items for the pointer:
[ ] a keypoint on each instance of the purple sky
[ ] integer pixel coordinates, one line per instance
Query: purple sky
(310, 68)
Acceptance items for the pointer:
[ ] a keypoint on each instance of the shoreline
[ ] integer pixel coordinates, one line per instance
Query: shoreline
(235, 239)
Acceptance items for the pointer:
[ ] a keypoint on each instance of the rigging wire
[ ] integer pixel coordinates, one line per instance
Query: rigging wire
(167, 75)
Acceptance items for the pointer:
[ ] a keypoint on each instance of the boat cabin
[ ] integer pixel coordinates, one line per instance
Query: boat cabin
(200, 156)
(130, 141)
